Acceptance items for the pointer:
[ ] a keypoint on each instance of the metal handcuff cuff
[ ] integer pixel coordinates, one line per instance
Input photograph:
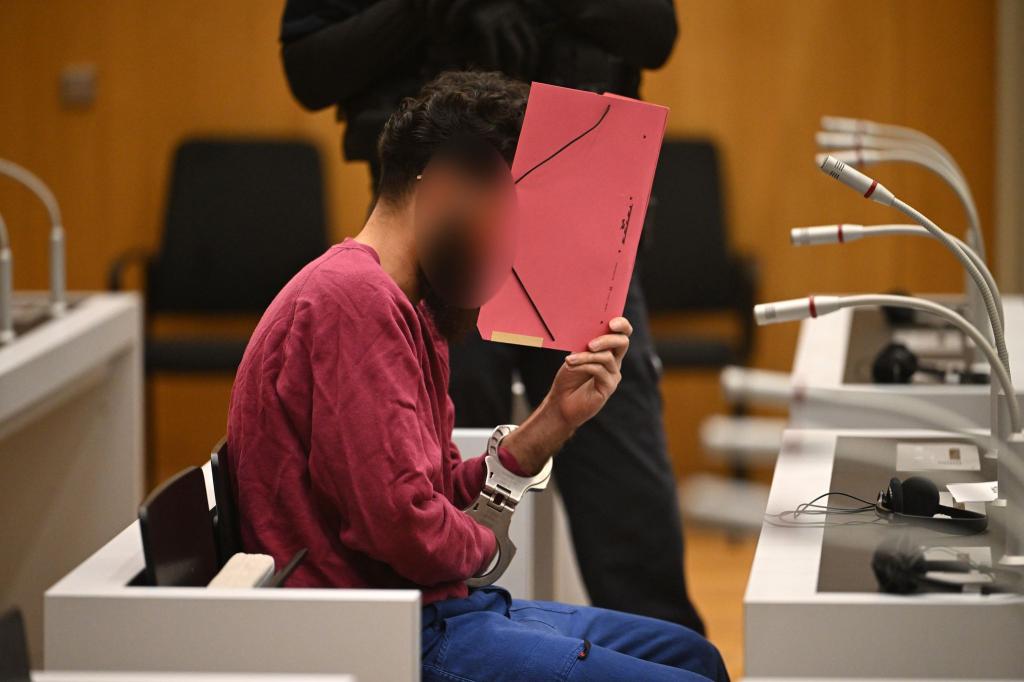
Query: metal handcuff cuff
(497, 501)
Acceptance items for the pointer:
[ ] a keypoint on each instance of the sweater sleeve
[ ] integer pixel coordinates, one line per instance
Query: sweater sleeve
(642, 32)
(369, 464)
(329, 56)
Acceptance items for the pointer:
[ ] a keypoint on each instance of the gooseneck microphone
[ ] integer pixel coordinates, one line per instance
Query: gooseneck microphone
(870, 157)
(815, 306)
(58, 293)
(860, 126)
(6, 287)
(877, 192)
(863, 141)
(847, 232)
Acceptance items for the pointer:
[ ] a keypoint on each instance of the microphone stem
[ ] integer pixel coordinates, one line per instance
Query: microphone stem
(6, 287)
(917, 230)
(995, 317)
(957, 184)
(58, 297)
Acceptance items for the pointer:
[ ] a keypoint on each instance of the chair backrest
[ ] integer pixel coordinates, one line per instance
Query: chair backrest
(243, 216)
(177, 532)
(226, 520)
(685, 262)
(14, 665)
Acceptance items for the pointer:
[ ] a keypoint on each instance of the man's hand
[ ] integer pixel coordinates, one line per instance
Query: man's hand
(586, 380)
(582, 386)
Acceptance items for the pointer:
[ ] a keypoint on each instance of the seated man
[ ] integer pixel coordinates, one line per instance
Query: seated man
(340, 435)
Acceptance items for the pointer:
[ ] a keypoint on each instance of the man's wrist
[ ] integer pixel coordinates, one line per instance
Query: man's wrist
(538, 439)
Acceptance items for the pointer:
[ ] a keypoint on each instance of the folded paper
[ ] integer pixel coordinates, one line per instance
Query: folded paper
(583, 171)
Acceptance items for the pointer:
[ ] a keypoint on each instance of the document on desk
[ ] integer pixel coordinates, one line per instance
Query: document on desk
(985, 491)
(934, 456)
(583, 171)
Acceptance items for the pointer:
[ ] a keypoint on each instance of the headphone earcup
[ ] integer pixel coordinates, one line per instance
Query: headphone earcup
(920, 496)
(894, 496)
(894, 364)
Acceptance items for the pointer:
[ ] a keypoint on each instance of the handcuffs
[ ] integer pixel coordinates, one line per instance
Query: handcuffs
(496, 503)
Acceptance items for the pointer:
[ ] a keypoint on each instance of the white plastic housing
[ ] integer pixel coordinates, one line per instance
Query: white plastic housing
(854, 157)
(854, 179)
(825, 234)
(742, 384)
(795, 309)
(844, 124)
(835, 140)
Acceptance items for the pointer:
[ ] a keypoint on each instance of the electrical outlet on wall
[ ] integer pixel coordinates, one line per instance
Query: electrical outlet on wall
(78, 86)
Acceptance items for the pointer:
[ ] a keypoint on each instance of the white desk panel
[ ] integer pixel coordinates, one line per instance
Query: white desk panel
(794, 631)
(71, 437)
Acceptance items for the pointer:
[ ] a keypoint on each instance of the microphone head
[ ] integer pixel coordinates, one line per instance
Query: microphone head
(854, 179)
(742, 384)
(827, 139)
(841, 124)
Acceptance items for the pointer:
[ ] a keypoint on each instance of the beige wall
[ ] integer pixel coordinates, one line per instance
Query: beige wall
(753, 74)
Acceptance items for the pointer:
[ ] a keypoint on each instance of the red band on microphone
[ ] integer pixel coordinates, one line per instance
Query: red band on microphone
(810, 306)
(871, 189)
(840, 235)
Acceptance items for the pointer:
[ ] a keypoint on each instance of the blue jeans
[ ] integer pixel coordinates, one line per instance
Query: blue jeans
(490, 637)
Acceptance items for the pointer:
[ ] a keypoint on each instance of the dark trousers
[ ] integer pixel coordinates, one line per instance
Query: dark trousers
(614, 474)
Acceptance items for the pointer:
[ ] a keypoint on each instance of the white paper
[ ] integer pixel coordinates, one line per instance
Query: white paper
(985, 491)
(933, 456)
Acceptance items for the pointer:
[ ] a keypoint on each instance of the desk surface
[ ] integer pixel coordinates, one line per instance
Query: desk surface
(795, 629)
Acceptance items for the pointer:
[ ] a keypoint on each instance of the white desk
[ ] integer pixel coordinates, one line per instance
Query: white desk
(828, 344)
(96, 620)
(794, 631)
(70, 445)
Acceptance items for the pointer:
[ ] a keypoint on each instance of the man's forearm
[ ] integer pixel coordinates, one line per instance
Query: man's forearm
(538, 438)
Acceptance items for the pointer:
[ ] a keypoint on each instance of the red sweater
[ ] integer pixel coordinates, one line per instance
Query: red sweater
(339, 437)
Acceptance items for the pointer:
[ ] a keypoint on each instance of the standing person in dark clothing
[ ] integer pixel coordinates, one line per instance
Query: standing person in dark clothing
(365, 57)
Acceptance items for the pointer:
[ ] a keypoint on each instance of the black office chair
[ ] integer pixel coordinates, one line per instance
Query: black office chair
(226, 518)
(243, 216)
(14, 665)
(687, 265)
(177, 533)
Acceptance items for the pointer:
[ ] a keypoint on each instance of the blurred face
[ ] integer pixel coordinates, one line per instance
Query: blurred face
(465, 228)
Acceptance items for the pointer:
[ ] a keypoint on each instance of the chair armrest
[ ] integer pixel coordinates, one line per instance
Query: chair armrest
(115, 275)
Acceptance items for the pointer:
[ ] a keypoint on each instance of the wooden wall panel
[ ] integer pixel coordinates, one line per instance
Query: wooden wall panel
(755, 75)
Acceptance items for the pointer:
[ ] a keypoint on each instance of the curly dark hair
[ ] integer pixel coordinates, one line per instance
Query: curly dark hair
(485, 105)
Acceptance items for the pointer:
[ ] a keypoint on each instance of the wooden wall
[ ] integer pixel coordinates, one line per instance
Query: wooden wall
(755, 75)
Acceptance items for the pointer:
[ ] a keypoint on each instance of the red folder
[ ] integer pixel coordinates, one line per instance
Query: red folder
(583, 171)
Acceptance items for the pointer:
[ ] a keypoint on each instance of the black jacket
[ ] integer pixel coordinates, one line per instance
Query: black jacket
(364, 56)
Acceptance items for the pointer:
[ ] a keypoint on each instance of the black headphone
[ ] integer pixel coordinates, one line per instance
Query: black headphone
(916, 501)
(897, 364)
